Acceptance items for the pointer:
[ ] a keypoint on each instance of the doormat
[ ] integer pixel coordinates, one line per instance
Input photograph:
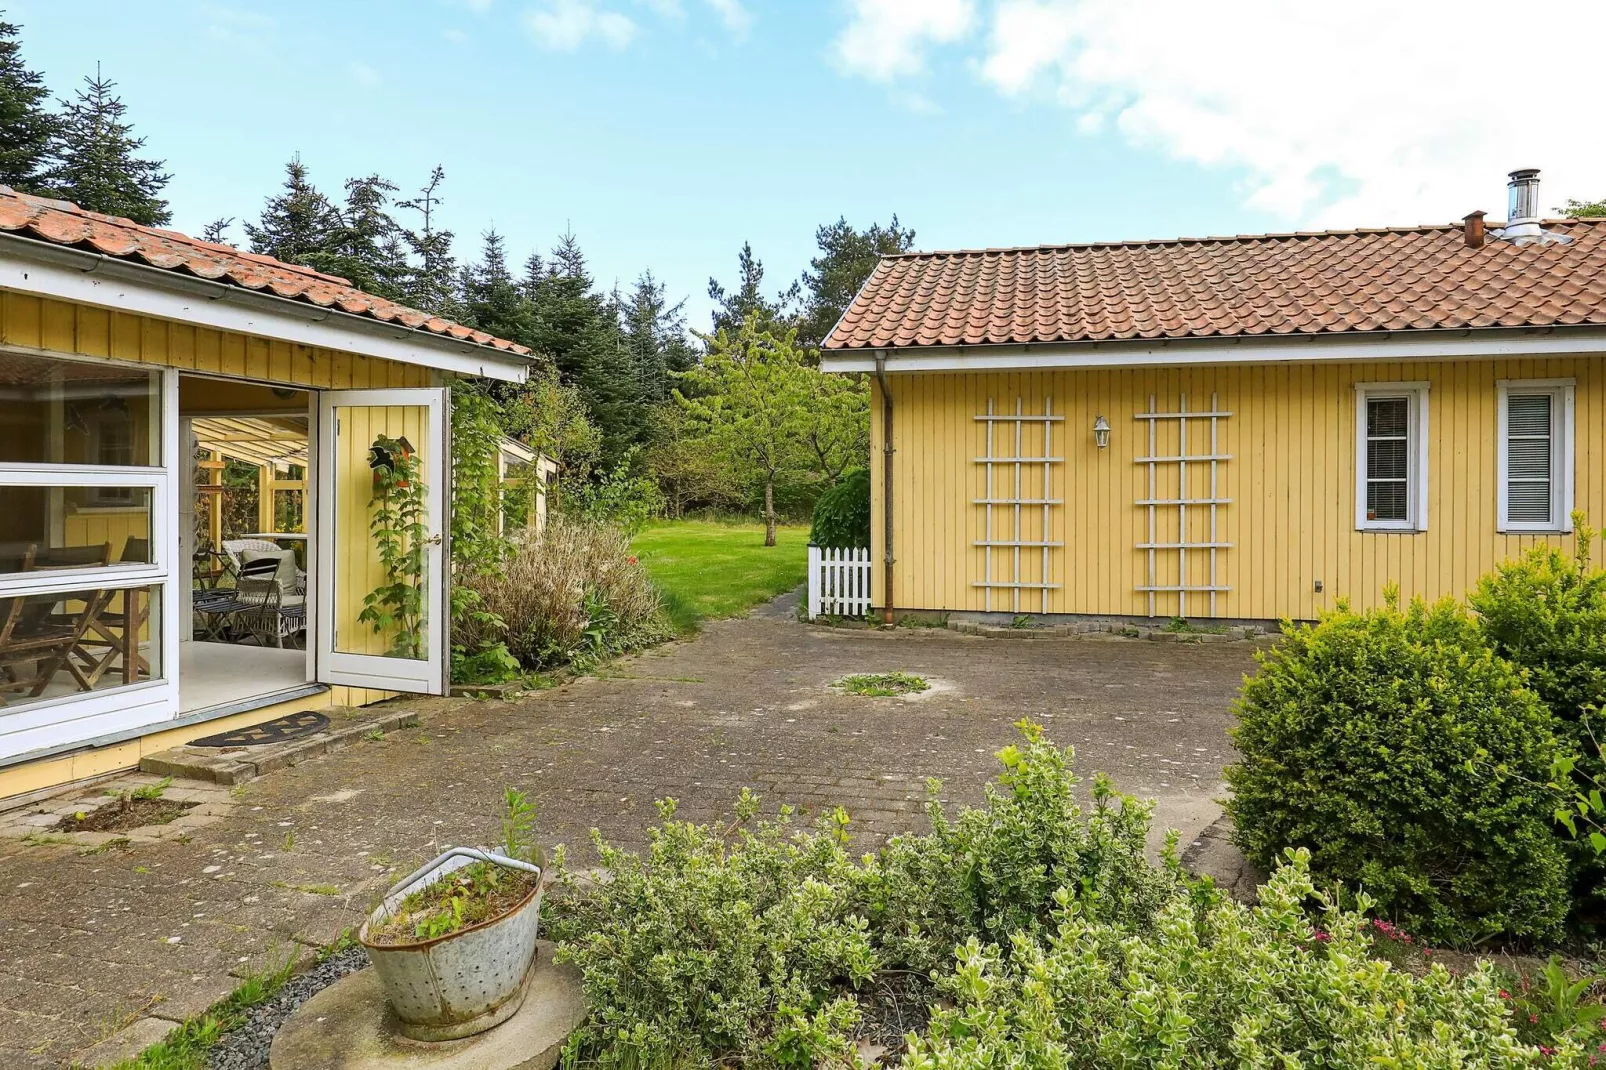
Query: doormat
(278, 730)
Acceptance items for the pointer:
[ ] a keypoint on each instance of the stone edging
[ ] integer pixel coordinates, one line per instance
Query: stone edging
(1129, 631)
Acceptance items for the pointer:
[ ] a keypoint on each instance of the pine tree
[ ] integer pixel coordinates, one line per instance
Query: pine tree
(432, 284)
(748, 302)
(299, 225)
(26, 127)
(366, 245)
(579, 329)
(217, 231)
(492, 299)
(655, 332)
(94, 163)
(847, 257)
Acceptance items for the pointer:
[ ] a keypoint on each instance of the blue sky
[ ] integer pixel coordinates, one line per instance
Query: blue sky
(666, 132)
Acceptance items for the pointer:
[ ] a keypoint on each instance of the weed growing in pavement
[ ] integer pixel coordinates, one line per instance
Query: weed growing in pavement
(882, 684)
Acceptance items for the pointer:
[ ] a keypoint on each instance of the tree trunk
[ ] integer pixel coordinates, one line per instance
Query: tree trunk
(769, 512)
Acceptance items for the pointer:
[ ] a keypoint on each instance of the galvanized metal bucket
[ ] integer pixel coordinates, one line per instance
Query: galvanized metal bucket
(465, 982)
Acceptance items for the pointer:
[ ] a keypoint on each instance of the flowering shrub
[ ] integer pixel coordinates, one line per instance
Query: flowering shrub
(1546, 612)
(1409, 760)
(1226, 985)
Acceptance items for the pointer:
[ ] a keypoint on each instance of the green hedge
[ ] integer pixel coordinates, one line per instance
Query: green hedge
(1409, 760)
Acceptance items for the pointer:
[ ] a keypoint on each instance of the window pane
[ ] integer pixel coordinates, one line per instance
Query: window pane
(1388, 459)
(1528, 459)
(1387, 416)
(1528, 414)
(1529, 502)
(73, 412)
(73, 527)
(1386, 501)
(55, 646)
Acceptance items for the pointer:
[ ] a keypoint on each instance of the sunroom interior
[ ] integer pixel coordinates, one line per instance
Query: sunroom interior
(243, 512)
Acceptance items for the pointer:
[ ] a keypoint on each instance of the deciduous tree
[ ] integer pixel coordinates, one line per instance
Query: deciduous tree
(761, 407)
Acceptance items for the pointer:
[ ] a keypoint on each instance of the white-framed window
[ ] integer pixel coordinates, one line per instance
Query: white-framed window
(88, 635)
(1535, 437)
(1391, 456)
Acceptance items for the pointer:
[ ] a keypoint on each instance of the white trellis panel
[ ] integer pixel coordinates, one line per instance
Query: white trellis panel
(1211, 500)
(839, 581)
(1008, 496)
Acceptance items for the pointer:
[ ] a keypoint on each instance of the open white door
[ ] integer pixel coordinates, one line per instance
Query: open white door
(379, 577)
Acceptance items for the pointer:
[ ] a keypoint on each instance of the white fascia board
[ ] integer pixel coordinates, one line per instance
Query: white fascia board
(35, 267)
(1392, 346)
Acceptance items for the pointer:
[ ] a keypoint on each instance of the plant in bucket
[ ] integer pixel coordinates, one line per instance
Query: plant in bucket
(453, 944)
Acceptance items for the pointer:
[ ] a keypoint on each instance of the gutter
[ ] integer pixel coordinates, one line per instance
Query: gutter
(886, 487)
(114, 268)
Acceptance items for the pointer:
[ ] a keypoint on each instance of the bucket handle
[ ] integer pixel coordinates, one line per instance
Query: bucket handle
(466, 852)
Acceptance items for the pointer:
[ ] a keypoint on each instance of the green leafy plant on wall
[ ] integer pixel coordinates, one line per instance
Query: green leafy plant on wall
(398, 525)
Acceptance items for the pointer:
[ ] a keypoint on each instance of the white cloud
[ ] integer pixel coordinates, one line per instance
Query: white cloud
(669, 9)
(366, 76)
(887, 39)
(1367, 112)
(455, 36)
(737, 19)
(565, 25)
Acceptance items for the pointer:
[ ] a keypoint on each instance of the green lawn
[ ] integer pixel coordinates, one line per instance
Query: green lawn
(720, 570)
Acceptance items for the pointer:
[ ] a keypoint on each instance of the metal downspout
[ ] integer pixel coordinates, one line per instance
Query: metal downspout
(886, 489)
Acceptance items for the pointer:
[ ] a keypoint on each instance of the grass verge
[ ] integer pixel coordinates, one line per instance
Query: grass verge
(185, 1048)
(713, 570)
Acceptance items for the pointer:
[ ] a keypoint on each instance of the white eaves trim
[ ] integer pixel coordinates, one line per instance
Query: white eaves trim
(1484, 342)
(31, 266)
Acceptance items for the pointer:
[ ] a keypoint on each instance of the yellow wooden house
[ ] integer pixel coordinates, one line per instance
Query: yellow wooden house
(1244, 428)
(131, 359)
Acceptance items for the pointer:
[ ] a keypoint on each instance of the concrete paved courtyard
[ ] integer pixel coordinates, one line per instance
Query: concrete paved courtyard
(104, 950)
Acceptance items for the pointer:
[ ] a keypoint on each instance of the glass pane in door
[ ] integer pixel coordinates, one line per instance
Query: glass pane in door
(381, 582)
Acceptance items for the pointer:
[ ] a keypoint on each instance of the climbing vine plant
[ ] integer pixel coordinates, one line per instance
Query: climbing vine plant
(398, 524)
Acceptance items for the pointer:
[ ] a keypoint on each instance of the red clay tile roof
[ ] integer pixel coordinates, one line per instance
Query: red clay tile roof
(67, 224)
(1415, 278)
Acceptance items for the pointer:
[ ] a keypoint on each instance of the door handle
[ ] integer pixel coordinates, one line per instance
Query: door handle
(433, 540)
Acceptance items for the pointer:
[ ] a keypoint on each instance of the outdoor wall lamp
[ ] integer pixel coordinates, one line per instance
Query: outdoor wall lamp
(1101, 432)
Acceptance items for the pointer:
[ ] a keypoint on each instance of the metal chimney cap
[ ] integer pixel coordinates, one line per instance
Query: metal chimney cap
(1524, 174)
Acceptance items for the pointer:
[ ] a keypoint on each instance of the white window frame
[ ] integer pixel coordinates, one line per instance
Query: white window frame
(72, 718)
(1416, 475)
(1562, 409)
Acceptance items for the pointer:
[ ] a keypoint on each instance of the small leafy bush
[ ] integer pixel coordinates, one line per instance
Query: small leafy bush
(1410, 760)
(745, 945)
(1546, 613)
(710, 946)
(842, 513)
(620, 499)
(994, 869)
(574, 594)
(1222, 986)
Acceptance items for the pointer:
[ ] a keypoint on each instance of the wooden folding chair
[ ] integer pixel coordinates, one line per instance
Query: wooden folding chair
(117, 630)
(31, 632)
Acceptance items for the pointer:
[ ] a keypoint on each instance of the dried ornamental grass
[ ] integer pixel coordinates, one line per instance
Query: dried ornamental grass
(576, 592)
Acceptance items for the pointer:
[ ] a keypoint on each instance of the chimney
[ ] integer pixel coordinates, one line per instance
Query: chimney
(1522, 214)
(1523, 196)
(1472, 229)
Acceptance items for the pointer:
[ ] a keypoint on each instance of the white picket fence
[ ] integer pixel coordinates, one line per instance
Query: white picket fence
(839, 581)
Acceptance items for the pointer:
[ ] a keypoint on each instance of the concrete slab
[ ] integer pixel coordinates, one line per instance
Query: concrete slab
(126, 1043)
(348, 1026)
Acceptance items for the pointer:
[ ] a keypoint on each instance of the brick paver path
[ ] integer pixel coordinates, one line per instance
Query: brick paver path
(92, 944)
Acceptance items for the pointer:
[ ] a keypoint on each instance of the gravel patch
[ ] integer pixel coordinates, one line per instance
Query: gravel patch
(246, 1047)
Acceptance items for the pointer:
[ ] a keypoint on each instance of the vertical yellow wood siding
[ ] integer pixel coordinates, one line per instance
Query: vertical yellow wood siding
(1291, 480)
(66, 328)
(359, 569)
